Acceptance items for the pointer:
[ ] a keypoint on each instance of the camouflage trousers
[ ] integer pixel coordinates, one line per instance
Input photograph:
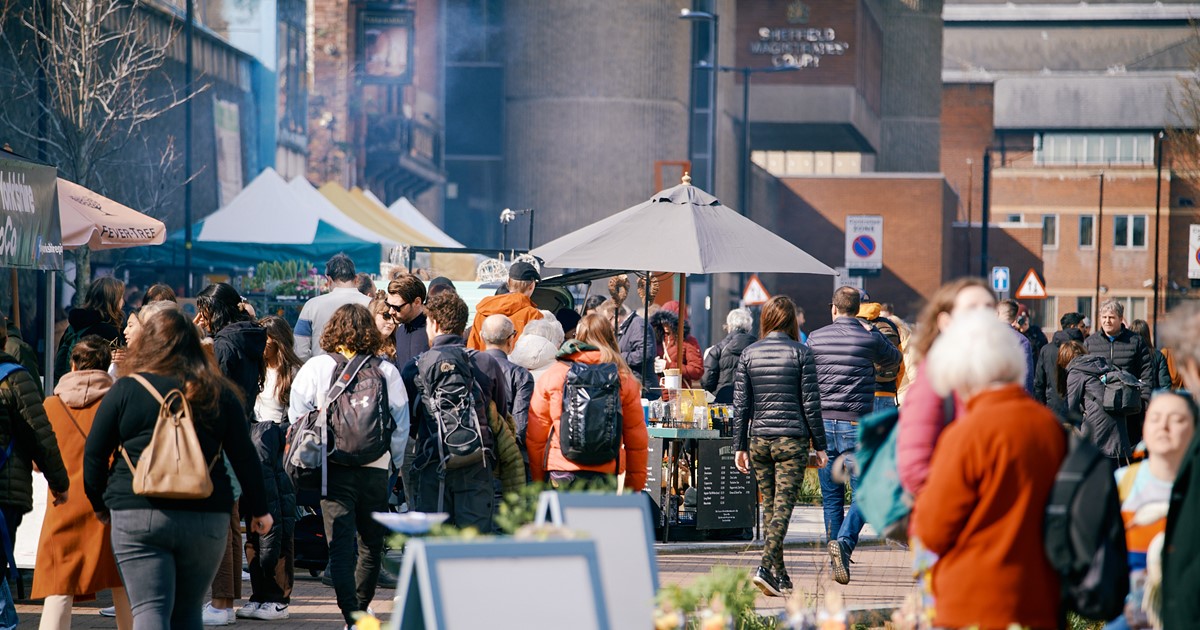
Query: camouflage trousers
(778, 465)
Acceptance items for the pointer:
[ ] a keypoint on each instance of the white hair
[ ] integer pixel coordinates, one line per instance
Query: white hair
(547, 328)
(739, 320)
(975, 352)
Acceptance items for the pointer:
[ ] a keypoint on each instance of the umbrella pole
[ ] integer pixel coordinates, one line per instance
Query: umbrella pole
(682, 316)
(16, 298)
(646, 364)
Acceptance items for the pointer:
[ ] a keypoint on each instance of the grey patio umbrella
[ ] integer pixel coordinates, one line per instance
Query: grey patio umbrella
(682, 230)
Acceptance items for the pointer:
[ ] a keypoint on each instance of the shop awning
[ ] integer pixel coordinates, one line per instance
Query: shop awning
(91, 219)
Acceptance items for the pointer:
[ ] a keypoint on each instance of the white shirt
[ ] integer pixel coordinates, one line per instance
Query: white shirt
(310, 390)
(267, 407)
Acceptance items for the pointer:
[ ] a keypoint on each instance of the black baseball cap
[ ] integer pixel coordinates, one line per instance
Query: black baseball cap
(522, 270)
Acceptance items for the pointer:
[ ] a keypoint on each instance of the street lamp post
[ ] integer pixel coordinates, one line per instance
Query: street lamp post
(710, 169)
(507, 216)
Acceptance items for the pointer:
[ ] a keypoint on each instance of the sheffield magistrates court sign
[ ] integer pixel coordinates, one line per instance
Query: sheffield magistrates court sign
(800, 43)
(30, 235)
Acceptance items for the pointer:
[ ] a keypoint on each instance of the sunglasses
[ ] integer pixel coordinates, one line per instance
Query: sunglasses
(397, 307)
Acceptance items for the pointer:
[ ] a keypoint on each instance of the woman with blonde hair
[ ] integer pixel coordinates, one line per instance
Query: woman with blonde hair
(776, 421)
(594, 343)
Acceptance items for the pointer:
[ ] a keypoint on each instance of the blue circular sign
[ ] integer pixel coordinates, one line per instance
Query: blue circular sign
(863, 246)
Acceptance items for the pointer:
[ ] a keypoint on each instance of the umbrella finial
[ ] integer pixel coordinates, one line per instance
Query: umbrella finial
(686, 179)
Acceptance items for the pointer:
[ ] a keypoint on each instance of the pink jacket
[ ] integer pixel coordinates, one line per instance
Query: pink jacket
(922, 418)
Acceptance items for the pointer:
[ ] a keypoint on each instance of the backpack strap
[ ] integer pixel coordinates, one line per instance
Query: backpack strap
(339, 387)
(8, 368)
(1127, 480)
(70, 415)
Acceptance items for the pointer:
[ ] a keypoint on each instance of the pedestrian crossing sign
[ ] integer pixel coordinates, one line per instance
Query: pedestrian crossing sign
(1032, 287)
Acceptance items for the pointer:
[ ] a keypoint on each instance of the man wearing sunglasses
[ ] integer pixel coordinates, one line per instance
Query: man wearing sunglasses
(406, 298)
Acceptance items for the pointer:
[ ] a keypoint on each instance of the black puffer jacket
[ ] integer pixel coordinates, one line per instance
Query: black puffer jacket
(1162, 375)
(23, 419)
(721, 363)
(239, 349)
(83, 322)
(1045, 375)
(269, 439)
(1085, 394)
(775, 393)
(1126, 351)
(846, 355)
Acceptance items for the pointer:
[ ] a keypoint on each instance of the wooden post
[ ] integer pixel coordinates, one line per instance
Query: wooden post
(682, 315)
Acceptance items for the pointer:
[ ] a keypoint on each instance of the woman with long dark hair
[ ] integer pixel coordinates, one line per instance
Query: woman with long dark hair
(101, 314)
(238, 344)
(776, 420)
(168, 550)
(595, 342)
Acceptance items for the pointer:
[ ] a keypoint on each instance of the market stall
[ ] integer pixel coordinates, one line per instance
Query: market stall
(683, 230)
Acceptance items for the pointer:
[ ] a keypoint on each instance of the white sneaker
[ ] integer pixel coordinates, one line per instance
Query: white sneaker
(271, 612)
(111, 611)
(248, 611)
(245, 576)
(217, 616)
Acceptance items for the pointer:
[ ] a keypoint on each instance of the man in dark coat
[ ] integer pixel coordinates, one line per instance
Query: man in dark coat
(846, 353)
(1007, 312)
(1045, 377)
(1124, 350)
(499, 337)
(25, 430)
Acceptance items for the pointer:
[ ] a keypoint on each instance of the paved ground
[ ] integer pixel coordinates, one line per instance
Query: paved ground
(880, 578)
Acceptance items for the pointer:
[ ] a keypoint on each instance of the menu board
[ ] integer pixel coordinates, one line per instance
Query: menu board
(654, 463)
(726, 496)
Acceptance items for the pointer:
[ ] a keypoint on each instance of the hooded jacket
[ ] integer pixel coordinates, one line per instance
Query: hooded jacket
(534, 353)
(545, 412)
(721, 362)
(1085, 395)
(846, 355)
(82, 322)
(74, 555)
(239, 349)
(775, 393)
(23, 424)
(1126, 351)
(1045, 378)
(517, 306)
(24, 353)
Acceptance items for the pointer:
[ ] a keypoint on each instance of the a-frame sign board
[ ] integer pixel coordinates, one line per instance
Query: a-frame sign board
(622, 527)
(456, 585)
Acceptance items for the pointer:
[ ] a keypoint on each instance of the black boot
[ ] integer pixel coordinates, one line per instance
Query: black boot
(766, 582)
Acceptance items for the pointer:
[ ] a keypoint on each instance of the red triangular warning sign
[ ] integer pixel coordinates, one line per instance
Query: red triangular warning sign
(1031, 288)
(755, 293)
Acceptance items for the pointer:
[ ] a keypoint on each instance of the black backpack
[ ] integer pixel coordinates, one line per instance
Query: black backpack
(360, 420)
(1084, 534)
(590, 425)
(1122, 392)
(452, 400)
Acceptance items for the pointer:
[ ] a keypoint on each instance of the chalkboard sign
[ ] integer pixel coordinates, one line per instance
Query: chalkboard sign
(453, 585)
(726, 496)
(654, 460)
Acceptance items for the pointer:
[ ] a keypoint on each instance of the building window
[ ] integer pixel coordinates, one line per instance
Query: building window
(793, 163)
(1050, 231)
(1087, 231)
(1129, 231)
(1083, 304)
(1093, 148)
(1135, 307)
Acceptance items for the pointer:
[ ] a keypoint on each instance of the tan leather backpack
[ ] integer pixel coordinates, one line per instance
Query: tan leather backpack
(172, 465)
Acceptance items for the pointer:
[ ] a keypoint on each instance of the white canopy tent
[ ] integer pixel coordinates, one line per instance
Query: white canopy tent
(405, 211)
(333, 215)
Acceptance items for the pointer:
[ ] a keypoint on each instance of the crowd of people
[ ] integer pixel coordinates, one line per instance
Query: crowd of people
(410, 406)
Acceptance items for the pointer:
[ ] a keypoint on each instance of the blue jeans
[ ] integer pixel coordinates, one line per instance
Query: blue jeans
(840, 437)
(167, 560)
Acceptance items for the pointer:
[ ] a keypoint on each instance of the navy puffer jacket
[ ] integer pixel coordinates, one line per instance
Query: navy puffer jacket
(846, 355)
(775, 393)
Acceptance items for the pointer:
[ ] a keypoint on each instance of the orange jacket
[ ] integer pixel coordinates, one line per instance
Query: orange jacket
(519, 308)
(545, 410)
(693, 363)
(981, 512)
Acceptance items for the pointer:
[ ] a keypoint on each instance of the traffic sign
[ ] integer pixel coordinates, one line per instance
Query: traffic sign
(1194, 250)
(864, 242)
(755, 293)
(1000, 279)
(1032, 287)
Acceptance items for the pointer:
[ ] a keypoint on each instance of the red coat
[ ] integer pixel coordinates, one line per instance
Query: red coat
(693, 362)
(982, 512)
(545, 411)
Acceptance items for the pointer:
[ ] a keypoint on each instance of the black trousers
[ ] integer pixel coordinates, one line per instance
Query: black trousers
(353, 493)
(467, 495)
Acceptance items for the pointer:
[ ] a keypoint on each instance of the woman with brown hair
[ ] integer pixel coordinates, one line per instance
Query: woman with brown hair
(923, 415)
(168, 549)
(776, 420)
(355, 491)
(101, 314)
(594, 343)
(75, 556)
(385, 323)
